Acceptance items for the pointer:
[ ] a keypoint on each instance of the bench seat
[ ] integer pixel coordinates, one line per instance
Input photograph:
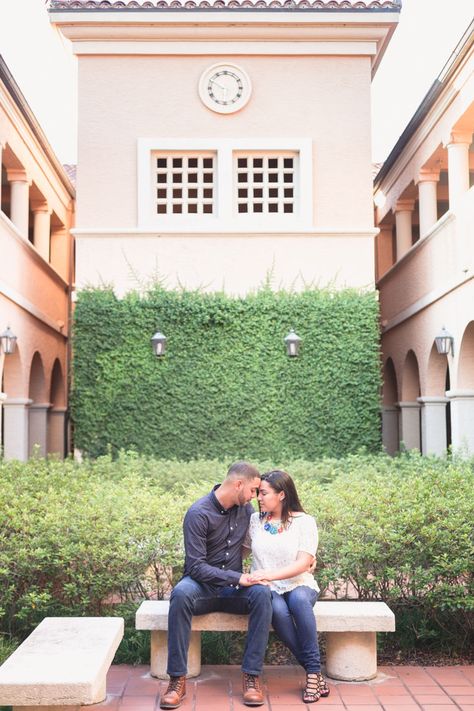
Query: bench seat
(350, 627)
(62, 664)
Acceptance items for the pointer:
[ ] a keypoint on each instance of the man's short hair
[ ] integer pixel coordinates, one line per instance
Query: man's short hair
(243, 470)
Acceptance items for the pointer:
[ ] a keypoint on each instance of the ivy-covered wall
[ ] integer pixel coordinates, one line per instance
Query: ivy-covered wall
(226, 387)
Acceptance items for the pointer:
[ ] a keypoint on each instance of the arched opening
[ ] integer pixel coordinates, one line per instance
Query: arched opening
(462, 396)
(436, 408)
(390, 426)
(466, 359)
(410, 425)
(57, 413)
(38, 408)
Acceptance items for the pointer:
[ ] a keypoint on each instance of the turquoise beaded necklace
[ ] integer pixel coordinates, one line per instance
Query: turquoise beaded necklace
(272, 527)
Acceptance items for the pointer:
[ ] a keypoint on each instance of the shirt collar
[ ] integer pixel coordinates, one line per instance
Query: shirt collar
(217, 503)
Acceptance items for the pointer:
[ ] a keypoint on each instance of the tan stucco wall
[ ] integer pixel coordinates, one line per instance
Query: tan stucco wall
(324, 99)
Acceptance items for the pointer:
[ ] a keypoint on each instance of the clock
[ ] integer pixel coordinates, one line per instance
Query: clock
(224, 88)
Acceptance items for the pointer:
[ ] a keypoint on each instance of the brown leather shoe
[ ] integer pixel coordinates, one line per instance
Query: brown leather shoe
(253, 694)
(174, 694)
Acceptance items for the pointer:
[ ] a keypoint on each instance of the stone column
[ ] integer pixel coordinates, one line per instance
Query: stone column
(390, 429)
(462, 420)
(41, 227)
(60, 252)
(19, 196)
(409, 425)
(15, 428)
(427, 200)
(384, 250)
(403, 212)
(57, 431)
(433, 425)
(3, 397)
(38, 428)
(1, 151)
(458, 165)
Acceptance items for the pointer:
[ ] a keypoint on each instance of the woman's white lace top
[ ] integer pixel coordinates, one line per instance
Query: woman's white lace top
(280, 549)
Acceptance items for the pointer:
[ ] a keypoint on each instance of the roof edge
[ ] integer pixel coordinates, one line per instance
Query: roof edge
(233, 5)
(15, 92)
(427, 103)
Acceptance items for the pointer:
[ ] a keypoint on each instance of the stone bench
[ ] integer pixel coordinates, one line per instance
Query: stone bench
(350, 627)
(62, 664)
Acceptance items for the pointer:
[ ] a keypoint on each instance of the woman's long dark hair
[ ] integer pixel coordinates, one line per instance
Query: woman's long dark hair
(281, 481)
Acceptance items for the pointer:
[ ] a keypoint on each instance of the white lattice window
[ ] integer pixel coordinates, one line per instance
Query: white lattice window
(184, 183)
(266, 183)
(210, 185)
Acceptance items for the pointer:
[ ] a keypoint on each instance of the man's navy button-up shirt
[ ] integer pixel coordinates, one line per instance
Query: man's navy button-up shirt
(213, 539)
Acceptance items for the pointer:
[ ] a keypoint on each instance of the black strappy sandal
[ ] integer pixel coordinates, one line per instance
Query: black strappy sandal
(315, 689)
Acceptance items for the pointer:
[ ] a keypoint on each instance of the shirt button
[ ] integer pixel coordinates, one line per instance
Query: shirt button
(228, 541)
(231, 528)
(227, 553)
(222, 511)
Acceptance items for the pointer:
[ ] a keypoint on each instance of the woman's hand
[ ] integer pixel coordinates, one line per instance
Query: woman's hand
(262, 575)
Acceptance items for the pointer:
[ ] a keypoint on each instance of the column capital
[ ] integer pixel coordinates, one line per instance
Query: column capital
(425, 175)
(17, 175)
(458, 137)
(432, 400)
(404, 205)
(17, 402)
(405, 404)
(40, 406)
(460, 394)
(38, 205)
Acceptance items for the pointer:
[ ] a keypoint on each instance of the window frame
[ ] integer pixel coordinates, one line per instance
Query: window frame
(225, 217)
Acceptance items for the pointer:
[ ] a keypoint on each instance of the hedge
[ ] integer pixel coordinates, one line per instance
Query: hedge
(226, 387)
(94, 538)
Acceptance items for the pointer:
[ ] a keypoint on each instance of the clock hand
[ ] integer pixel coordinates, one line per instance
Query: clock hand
(212, 81)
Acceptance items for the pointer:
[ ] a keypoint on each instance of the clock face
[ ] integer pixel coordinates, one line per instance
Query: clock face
(224, 88)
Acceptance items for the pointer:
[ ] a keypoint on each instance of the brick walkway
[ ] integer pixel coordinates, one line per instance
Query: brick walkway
(404, 688)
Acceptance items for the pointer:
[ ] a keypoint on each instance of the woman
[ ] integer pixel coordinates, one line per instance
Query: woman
(284, 540)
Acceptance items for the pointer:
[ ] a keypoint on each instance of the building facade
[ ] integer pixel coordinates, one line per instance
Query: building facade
(425, 268)
(222, 145)
(36, 271)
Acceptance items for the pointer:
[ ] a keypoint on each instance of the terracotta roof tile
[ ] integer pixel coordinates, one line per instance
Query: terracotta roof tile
(71, 172)
(325, 5)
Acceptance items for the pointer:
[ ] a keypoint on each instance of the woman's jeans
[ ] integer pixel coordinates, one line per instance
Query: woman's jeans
(294, 622)
(190, 598)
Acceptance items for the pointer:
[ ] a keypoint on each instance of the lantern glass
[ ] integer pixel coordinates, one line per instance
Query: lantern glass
(8, 340)
(444, 342)
(292, 343)
(158, 343)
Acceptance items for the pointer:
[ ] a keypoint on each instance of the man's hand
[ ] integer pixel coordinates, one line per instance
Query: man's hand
(262, 576)
(247, 579)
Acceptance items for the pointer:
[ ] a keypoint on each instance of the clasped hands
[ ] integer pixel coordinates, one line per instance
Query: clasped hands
(260, 577)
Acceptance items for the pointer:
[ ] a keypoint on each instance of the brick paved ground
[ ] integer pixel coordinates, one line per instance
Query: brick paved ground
(404, 688)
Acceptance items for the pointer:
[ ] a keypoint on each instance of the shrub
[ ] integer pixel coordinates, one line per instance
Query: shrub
(95, 538)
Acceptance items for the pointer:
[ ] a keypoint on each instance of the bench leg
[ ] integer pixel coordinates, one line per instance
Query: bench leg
(159, 654)
(351, 656)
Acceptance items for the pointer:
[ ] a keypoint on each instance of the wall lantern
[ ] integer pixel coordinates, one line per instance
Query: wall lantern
(158, 343)
(8, 341)
(444, 342)
(292, 343)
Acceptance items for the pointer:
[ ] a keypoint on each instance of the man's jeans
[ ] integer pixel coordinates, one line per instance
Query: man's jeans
(190, 598)
(294, 622)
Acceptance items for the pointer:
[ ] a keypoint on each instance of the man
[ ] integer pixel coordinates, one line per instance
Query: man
(214, 531)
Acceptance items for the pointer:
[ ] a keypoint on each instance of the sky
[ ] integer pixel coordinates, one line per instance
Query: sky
(43, 66)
